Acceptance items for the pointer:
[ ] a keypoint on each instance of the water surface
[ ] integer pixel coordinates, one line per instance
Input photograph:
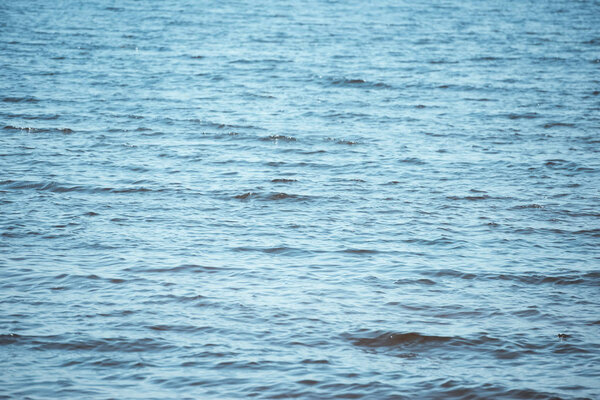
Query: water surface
(319, 199)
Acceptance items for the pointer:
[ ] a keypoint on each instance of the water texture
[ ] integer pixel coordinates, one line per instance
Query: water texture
(316, 199)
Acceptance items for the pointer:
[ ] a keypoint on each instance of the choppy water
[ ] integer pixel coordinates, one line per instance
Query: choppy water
(299, 200)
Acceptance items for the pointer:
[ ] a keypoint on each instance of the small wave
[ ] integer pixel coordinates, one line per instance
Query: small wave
(278, 138)
(487, 58)
(193, 268)
(311, 361)
(271, 197)
(68, 343)
(523, 116)
(27, 99)
(357, 82)
(559, 164)
(360, 251)
(245, 196)
(393, 339)
(9, 338)
(526, 206)
(451, 273)
(347, 142)
(56, 187)
(49, 186)
(179, 328)
(37, 130)
(530, 278)
(469, 198)
(48, 117)
(281, 250)
(343, 141)
(283, 180)
(421, 281)
(282, 196)
(434, 62)
(557, 124)
(412, 160)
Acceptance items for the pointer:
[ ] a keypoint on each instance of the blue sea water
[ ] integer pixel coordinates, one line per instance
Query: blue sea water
(315, 199)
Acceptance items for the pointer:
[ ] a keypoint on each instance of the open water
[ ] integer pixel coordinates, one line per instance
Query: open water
(313, 199)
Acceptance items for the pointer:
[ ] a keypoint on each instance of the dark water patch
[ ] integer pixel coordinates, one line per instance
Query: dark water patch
(42, 117)
(528, 278)
(277, 196)
(283, 180)
(469, 198)
(280, 250)
(451, 273)
(278, 138)
(587, 232)
(246, 196)
(422, 281)
(225, 126)
(342, 141)
(283, 196)
(44, 186)
(180, 328)
(392, 339)
(129, 190)
(172, 299)
(10, 338)
(38, 130)
(347, 142)
(359, 251)
(558, 164)
(463, 390)
(186, 268)
(357, 82)
(558, 124)
(308, 382)
(489, 58)
(312, 361)
(530, 115)
(442, 241)
(412, 160)
(528, 206)
(27, 99)
(434, 62)
(119, 345)
(77, 343)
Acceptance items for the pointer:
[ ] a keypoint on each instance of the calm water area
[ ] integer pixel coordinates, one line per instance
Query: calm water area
(313, 199)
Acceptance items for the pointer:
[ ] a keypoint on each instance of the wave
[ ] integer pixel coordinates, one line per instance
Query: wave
(281, 250)
(278, 196)
(394, 339)
(278, 138)
(56, 187)
(26, 99)
(359, 251)
(357, 83)
(529, 278)
(192, 268)
(283, 180)
(38, 130)
(77, 343)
